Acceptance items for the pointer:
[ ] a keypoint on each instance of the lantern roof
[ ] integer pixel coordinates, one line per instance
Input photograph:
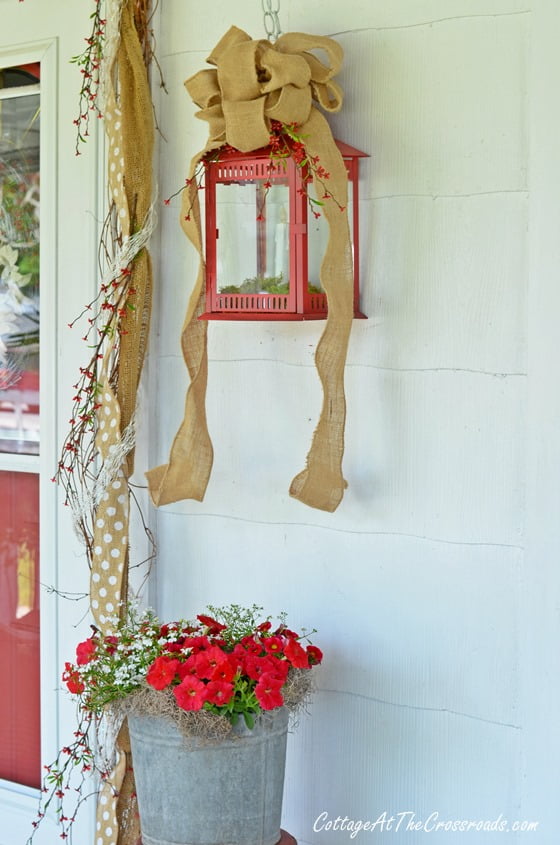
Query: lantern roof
(227, 152)
(349, 151)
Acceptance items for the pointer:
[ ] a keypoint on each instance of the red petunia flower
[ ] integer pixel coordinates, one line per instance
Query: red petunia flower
(75, 685)
(205, 662)
(174, 647)
(72, 679)
(279, 669)
(85, 652)
(191, 666)
(268, 692)
(273, 645)
(111, 644)
(285, 632)
(224, 671)
(162, 672)
(196, 643)
(190, 694)
(315, 654)
(296, 655)
(237, 657)
(219, 692)
(214, 655)
(251, 644)
(213, 626)
(256, 666)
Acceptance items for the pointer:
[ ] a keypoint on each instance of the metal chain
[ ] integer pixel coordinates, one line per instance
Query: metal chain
(271, 19)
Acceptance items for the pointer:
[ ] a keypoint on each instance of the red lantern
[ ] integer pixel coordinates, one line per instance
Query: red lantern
(264, 246)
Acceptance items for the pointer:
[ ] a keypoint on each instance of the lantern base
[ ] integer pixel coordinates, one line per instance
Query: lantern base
(273, 317)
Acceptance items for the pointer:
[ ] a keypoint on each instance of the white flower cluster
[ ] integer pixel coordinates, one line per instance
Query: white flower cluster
(119, 663)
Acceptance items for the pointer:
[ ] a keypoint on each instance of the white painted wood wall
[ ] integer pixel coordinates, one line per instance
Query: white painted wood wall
(435, 585)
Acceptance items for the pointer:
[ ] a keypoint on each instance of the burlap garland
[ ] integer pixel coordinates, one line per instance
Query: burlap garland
(129, 126)
(255, 82)
(137, 140)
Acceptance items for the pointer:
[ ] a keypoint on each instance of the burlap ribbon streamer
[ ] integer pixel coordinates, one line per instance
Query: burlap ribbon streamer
(255, 82)
(129, 127)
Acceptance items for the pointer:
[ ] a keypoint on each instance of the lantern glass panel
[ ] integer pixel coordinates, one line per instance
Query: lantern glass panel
(318, 234)
(252, 251)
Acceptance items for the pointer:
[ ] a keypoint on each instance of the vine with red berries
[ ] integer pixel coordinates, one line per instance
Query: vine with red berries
(103, 317)
(89, 61)
(284, 142)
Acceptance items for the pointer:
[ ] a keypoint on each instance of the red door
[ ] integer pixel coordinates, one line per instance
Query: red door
(19, 628)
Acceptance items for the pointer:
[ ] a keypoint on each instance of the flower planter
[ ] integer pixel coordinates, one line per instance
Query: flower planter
(197, 792)
(199, 779)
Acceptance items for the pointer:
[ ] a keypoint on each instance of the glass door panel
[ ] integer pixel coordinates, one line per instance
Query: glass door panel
(19, 260)
(19, 425)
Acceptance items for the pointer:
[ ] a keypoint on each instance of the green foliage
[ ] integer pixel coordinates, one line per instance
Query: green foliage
(240, 621)
(266, 284)
(259, 284)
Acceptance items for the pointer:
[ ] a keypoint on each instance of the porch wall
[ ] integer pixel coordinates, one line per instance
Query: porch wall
(420, 583)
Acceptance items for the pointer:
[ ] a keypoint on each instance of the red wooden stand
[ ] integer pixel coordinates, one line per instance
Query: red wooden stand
(287, 839)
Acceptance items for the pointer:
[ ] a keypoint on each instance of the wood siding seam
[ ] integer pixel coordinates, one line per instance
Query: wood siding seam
(420, 708)
(429, 22)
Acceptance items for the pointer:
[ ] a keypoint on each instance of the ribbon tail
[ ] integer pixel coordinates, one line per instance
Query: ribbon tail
(321, 484)
(187, 472)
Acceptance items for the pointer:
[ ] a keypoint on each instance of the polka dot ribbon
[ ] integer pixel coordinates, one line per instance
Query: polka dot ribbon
(107, 831)
(110, 539)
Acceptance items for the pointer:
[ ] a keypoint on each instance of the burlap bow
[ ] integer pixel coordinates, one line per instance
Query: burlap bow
(255, 82)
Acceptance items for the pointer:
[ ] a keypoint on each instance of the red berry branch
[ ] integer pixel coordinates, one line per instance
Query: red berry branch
(89, 62)
(67, 780)
(104, 326)
(285, 142)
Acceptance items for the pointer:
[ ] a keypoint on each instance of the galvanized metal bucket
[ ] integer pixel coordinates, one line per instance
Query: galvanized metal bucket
(209, 794)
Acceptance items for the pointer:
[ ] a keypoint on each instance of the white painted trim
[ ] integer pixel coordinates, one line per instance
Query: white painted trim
(22, 54)
(21, 798)
(19, 91)
(19, 463)
(47, 392)
(19, 803)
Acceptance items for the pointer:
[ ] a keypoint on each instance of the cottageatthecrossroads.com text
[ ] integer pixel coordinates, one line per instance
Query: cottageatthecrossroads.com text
(409, 822)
